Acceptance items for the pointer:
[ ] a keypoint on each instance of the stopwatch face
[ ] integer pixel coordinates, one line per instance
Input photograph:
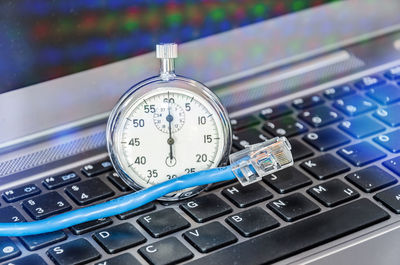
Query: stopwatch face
(168, 132)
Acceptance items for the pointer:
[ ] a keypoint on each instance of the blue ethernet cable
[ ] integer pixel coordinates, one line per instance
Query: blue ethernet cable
(248, 165)
(118, 205)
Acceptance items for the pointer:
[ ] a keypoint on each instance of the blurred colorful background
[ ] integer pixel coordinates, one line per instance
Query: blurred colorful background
(42, 39)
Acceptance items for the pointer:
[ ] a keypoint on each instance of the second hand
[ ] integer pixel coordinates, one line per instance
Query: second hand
(170, 140)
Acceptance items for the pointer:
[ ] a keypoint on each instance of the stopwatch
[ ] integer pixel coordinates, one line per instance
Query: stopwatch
(167, 126)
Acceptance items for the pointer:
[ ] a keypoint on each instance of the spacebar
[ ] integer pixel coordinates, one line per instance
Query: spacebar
(300, 236)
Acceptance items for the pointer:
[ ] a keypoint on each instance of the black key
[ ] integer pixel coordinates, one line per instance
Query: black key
(393, 73)
(155, 223)
(138, 211)
(371, 179)
(390, 198)
(275, 112)
(220, 184)
(95, 169)
(8, 249)
(45, 205)
(354, 105)
(160, 253)
(385, 94)
(325, 166)
(20, 193)
(287, 180)
(86, 227)
(295, 238)
(35, 242)
(79, 251)
(120, 237)
(244, 122)
(60, 180)
(205, 208)
(118, 182)
(244, 196)
(88, 191)
(293, 207)
(307, 102)
(123, 259)
(10, 215)
(393, 164)
(390, 141)
(244, 138)
(361, 154)
(299, 150)
(338, 92)
(320, 116)
(209, 237)
(333, 193)
(285, 126)
(33, 259)
(325, 139)
(252, 222)
(361, 127)
(389, 115)
(369, 82)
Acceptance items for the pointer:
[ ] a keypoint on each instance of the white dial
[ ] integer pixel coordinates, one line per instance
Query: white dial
(166, 133)
(168, 116)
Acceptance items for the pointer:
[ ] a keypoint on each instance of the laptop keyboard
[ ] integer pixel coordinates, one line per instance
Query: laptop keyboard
(344, 143)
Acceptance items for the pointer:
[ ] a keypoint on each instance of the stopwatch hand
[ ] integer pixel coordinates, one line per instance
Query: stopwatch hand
(170, 140)
(171, 155)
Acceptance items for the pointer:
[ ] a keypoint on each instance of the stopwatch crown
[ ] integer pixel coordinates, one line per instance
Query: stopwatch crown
(167, 50)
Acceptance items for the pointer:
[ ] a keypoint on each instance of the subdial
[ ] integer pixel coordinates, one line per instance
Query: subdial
(169, 118)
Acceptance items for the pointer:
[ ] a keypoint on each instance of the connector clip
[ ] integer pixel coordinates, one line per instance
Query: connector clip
(259, 160)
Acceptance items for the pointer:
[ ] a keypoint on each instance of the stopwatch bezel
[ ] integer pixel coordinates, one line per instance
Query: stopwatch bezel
(137, 92)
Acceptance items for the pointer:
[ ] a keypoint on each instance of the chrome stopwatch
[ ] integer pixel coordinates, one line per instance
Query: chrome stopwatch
(167, 126)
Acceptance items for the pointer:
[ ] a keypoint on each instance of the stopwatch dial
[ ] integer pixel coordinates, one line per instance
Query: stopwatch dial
(167, 133)
(169, 117)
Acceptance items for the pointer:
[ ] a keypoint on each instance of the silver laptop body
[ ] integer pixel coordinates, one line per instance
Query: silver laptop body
(50, 127)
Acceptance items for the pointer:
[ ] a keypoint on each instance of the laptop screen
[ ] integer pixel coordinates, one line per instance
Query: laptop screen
(43, 40)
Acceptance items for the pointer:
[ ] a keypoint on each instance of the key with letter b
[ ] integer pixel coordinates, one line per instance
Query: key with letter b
(252, 221)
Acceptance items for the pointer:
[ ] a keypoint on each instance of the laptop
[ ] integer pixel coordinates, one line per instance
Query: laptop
(325, 74)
